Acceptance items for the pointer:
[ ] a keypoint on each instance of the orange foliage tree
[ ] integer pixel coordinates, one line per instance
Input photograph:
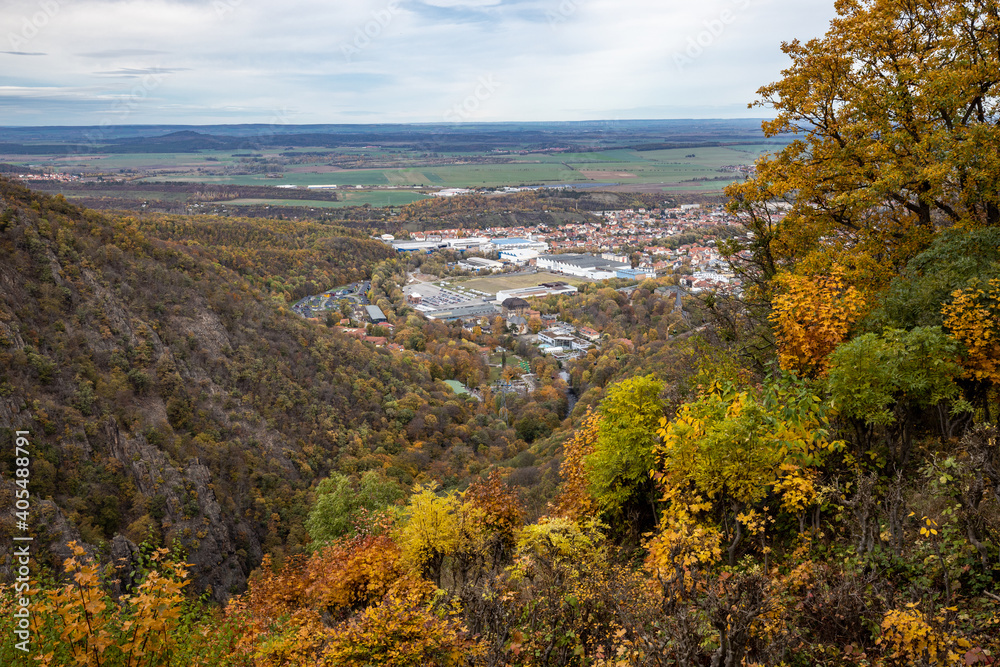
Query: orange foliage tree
(973, 317)
(352, 603)
(812, 316)
(79, 623)
(496, 516)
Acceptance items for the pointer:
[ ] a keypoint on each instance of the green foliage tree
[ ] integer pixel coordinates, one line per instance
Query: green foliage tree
(872, 373)
(953, 260)
(619, 468)
(885, 380)
(342, 503)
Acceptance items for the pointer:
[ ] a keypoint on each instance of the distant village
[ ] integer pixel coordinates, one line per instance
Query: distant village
(54, 176)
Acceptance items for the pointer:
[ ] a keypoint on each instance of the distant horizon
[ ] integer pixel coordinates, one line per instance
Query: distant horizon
(397, 124)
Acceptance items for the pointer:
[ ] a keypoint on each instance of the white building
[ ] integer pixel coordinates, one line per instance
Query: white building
(451, 192)
(585, 266)
(469, 243)
(480, 264)
(557, 336)
(519, 256)
(711, 276)
(500, 245)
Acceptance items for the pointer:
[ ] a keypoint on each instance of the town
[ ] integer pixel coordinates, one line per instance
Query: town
(632, 244)
(493, 277)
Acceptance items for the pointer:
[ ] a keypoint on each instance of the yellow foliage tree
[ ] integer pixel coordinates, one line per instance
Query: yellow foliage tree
(403, 630)
(431, 530)
(973, 317)
(911, 637)
(723, 454)
(893, 111)
(683, 541)
(812, 316)
(574, 500)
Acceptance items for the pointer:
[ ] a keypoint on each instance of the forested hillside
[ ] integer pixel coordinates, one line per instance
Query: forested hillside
(290, 258)
(176, 403)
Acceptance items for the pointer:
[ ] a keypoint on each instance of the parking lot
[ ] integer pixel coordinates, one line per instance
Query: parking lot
(433, 297)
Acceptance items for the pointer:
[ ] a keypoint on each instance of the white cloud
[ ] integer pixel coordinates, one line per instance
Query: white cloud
(462, 3)
(396, 60)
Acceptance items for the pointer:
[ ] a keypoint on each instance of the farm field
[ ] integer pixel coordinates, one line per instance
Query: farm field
(697, 157)
(675, 169)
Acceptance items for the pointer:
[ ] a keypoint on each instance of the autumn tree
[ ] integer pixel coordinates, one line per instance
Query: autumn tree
(973, 317)
(496, 515)
(894, 110)
(353, 602)
(560, 585)
(79, 623)
(431, 530)
(623, 456)
(342, 503)
(723, 454)
(812, 316)
(574, 500)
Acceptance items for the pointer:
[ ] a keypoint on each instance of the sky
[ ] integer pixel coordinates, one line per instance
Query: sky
(125, 62)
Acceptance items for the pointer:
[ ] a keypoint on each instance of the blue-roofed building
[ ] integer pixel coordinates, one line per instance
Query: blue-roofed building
(635, 274)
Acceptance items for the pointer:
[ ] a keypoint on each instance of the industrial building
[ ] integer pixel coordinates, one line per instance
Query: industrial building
(519, 256)
(480, 264)
(469, 243)
(417, 246)
(545, 289)
(584, 266)
(635, 274)
(500, 245)
(465, 310)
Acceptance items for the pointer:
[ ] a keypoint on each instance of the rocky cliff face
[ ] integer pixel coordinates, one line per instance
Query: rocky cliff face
(219, 548)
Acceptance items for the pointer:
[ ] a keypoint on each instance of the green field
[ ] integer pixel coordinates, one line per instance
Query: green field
(674, 170)
(494, 284)
(347, 177)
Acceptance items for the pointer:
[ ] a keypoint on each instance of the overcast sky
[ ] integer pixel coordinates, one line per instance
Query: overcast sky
(88, 62)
